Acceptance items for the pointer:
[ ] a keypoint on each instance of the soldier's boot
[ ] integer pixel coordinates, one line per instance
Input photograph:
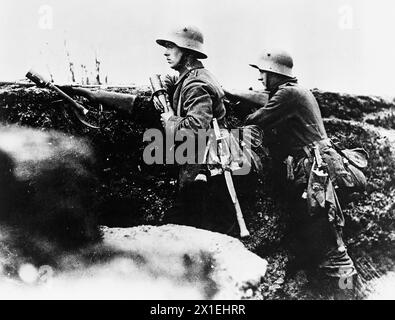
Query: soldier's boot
(322, 249)
(336, 271)
(337, 263)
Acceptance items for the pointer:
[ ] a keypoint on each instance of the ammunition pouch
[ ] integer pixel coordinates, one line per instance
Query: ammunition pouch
(344, 168)
(343, 165)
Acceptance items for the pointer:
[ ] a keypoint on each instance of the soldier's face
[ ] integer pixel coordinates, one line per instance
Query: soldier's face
(173, 55)
(263, 75)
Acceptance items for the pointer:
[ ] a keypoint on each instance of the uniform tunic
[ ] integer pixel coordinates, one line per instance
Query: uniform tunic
(197, 98)
(293, 115)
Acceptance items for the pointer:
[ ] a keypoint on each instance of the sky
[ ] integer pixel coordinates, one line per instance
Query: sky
(337, 45)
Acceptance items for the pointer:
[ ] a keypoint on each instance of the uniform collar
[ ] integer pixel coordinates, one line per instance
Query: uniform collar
(285, 83)
(195, 65)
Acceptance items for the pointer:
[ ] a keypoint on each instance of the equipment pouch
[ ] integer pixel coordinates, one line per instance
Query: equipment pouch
(343, 167)
(358, 157)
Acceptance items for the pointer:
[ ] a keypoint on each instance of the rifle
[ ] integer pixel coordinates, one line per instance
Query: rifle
(159, 93)
(79, 110)
(229, 181)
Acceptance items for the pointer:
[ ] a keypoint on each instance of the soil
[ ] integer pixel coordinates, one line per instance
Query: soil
(145, 262)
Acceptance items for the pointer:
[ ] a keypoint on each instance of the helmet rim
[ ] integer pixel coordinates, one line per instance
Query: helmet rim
(276, 61)
(188, 37)
(199, 54)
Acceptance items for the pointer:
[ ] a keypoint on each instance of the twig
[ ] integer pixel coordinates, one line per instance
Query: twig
(71, 64)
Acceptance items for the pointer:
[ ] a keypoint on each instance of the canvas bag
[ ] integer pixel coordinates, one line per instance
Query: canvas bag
(345, 166)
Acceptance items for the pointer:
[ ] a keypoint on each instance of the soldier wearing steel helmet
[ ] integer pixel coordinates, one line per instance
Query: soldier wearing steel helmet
(290, 115)
(196, 98)
(196, 95)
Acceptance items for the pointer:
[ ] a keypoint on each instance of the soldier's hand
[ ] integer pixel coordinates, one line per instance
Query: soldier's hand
(166, 116)
(158, 106)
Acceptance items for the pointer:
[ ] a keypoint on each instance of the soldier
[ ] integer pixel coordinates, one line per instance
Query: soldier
(290, 114)
(196, 97)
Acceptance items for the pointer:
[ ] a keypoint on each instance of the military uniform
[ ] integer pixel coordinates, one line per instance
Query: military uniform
(196, 98)
(293, 117)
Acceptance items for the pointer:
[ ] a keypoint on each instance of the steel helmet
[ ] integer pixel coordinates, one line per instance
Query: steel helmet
(277, 61)
(188, 37)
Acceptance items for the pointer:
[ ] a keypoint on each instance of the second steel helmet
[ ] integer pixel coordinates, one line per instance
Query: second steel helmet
(277, 61)
(188, 37)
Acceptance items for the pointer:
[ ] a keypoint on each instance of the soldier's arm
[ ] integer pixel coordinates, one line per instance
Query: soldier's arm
(169, 82)
(277, 109)
(251, 98)
(199, 106)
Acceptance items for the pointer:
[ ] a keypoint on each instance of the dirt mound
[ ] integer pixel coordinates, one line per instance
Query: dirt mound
(146, 262)
(383, 288)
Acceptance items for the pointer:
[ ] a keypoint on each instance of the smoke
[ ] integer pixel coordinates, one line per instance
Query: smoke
(47, 195)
